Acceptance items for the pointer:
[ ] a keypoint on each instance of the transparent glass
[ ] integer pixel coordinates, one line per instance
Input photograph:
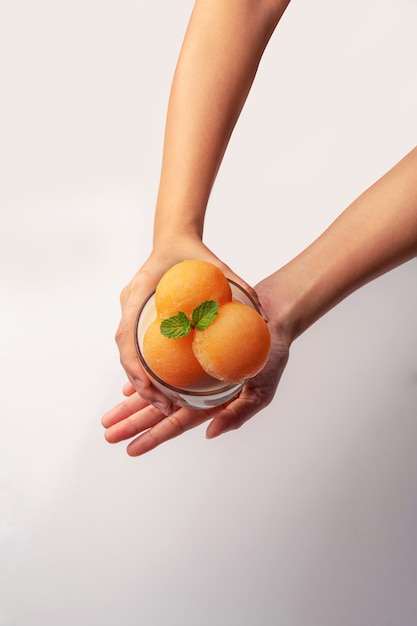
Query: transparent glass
(214, 393)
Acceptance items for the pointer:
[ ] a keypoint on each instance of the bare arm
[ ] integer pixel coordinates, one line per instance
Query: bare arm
(376, 233)
(222, 48)
(223, 45)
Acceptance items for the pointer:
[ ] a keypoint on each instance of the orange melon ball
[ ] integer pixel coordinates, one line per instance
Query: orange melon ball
(189, 283)
(235, 346)
(172, 360)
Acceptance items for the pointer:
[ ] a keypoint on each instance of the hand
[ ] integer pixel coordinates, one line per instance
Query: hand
(162, 258)
(136, 418)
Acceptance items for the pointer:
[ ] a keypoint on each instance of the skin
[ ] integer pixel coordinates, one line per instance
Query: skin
(222, 48)
(377, 232)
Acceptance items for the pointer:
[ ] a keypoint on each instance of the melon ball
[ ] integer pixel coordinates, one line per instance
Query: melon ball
(172, 360)
(235, 346)
(188, 284)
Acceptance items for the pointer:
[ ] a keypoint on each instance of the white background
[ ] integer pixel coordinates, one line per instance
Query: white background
(307, 516)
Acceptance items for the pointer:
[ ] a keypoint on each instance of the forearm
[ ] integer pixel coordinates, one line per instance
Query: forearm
(376, 233)
(223, 45)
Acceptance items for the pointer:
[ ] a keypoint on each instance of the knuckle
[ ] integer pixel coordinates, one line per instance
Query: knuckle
(124, 294)
(121, 333)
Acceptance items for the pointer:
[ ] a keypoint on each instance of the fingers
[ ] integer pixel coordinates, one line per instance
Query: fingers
(235, 414)
(128, 389)
(227, 418)
(167, 428)
(157, 398)
(131, 299)
(126, 345)
(124, 409)
(135, 416)
(149, 418)
(135, 423)
(255, 395)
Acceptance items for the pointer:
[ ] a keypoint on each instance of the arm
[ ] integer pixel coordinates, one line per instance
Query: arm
(376, 233)
(222, 48)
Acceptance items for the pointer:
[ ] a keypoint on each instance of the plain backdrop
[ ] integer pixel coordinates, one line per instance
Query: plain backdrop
(307, 515)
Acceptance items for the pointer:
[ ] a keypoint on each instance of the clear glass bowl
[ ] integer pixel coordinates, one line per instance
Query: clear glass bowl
(214, 393)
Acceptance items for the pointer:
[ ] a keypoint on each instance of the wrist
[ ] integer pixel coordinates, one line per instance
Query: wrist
(281, 300)
(298, 294)
(175, 232)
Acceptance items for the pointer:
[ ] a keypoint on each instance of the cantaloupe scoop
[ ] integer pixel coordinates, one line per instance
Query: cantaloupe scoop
(200, 332)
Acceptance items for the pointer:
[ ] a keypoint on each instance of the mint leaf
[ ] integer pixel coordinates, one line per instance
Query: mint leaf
(204, 314)
(176, 326)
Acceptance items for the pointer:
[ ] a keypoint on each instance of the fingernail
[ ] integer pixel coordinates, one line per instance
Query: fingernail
(218, 433)
(210, 435)
(166, 409)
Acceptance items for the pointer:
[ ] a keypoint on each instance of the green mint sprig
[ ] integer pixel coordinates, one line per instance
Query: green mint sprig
(180, 326)
(176, 326)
